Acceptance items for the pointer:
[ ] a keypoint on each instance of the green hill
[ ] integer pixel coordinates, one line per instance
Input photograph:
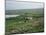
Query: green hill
(22, 11)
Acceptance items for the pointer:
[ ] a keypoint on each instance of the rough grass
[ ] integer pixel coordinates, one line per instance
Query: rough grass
(17, 25)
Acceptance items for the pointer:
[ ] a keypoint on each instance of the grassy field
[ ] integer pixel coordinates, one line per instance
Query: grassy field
(17, 25)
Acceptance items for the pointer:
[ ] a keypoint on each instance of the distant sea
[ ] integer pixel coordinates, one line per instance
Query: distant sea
(8, 16)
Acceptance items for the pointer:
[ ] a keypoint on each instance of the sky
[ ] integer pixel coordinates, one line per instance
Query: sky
(13, 5)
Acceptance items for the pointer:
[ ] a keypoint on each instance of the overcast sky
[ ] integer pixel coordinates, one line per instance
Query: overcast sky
(13, 5)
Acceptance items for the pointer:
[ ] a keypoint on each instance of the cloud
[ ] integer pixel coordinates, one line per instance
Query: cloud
(13, 5)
